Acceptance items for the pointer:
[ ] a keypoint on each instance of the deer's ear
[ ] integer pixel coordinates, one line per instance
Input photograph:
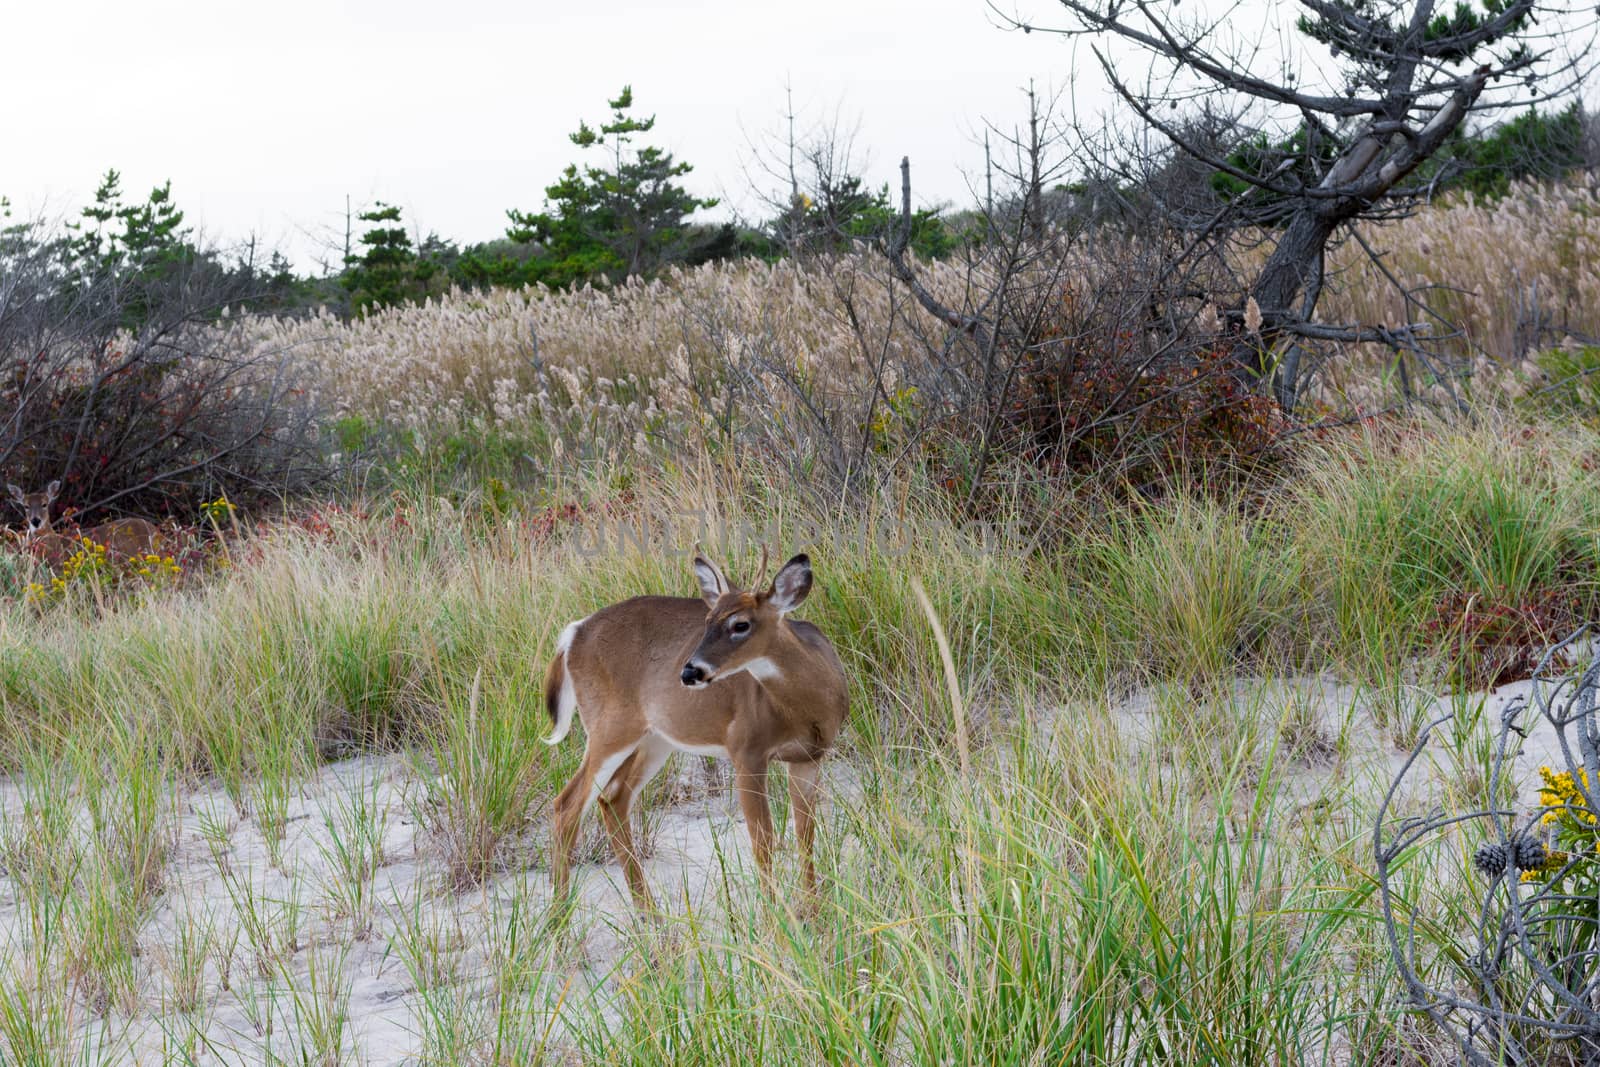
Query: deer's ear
(713, 583)
(16, 493)
(791, 584)
(52, 489)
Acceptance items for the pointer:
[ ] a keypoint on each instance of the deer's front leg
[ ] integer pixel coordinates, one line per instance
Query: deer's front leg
(804, 787)
(750, 778)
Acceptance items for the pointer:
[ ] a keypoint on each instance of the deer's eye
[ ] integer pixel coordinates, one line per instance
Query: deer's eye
(741, 627)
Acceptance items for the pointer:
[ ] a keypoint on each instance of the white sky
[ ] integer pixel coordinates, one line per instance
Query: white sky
(266, 116)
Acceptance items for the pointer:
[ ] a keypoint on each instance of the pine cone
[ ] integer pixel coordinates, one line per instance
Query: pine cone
(1525, 852)
(1490, 859)
(1528, 852)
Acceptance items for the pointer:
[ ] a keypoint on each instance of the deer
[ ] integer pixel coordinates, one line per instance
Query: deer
(121, 537)
(728, 675)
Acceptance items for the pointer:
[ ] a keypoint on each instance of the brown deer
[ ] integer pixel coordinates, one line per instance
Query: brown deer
(729, 676)
(122, 537)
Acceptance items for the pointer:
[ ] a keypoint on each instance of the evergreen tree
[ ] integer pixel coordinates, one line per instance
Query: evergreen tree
(621, 219)
(151, 234)
(143, 246)
(1532, 145)
(388, 271)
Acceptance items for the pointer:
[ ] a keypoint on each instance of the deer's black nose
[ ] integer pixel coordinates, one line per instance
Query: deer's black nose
(692, 675)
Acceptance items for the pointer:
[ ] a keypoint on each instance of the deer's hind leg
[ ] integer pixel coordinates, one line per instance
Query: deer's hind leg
(564, 820)
(616, 807)
(593, 777)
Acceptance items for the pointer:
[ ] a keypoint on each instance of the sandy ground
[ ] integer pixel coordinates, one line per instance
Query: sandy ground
(244, 1007)
(221, 868)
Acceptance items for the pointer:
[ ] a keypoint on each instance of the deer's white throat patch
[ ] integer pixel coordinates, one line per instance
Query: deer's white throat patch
(762, 669)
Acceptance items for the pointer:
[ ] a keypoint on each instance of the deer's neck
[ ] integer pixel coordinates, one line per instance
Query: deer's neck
(794, 675)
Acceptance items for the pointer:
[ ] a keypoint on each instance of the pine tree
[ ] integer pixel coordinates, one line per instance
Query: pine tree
(388, 271)
(627, 218)
(144, 247)
(151, 234)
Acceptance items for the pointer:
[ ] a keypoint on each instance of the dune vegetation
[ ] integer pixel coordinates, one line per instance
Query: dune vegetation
(284, 799)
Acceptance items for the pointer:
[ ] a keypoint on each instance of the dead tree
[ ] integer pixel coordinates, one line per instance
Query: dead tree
(808, 182)
(1032, 159)
(1352, 138)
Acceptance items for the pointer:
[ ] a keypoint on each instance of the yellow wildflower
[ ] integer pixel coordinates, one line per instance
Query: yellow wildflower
(1562, 796)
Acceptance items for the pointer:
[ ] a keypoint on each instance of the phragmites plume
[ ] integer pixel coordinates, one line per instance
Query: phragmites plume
(610, 363)
(1252, 316)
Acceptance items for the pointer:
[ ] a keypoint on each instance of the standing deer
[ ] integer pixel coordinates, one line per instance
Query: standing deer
(728, 676)
(122, 537)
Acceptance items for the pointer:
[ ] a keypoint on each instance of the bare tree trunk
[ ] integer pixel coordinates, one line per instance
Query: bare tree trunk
(1359, 178)
(1035, 193)
(1293, 265)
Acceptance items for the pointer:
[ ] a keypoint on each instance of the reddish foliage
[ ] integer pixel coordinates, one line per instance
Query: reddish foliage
(1096, 396)
(318, 521)
(1499, 639)
(1084, 411)
(543, 525)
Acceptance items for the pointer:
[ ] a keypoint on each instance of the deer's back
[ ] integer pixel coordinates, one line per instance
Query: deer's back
(126, 537)
(632, 636)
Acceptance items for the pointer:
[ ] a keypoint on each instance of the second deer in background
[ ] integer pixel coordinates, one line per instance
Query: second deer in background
(121, 537)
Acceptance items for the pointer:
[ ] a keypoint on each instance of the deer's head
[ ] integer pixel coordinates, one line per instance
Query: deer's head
(35, 507)
(743, 627)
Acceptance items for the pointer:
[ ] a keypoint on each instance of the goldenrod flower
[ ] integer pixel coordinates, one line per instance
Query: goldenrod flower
(1561, 796)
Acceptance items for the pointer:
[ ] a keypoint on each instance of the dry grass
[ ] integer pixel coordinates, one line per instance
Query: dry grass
(1145, 862)
(604, 363)
(1496, 270)
(1154, 846)
(643, 363)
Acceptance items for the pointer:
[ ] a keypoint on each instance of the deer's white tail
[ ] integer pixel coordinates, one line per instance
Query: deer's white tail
(560, 698)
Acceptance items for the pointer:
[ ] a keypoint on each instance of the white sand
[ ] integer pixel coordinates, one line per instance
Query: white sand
(246, 1007)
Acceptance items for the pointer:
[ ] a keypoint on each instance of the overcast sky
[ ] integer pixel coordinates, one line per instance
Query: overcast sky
(266, 116)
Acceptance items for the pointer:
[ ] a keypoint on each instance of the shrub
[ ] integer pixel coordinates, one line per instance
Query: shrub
(1098, 357)
(150, 419)
(1105, 400)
